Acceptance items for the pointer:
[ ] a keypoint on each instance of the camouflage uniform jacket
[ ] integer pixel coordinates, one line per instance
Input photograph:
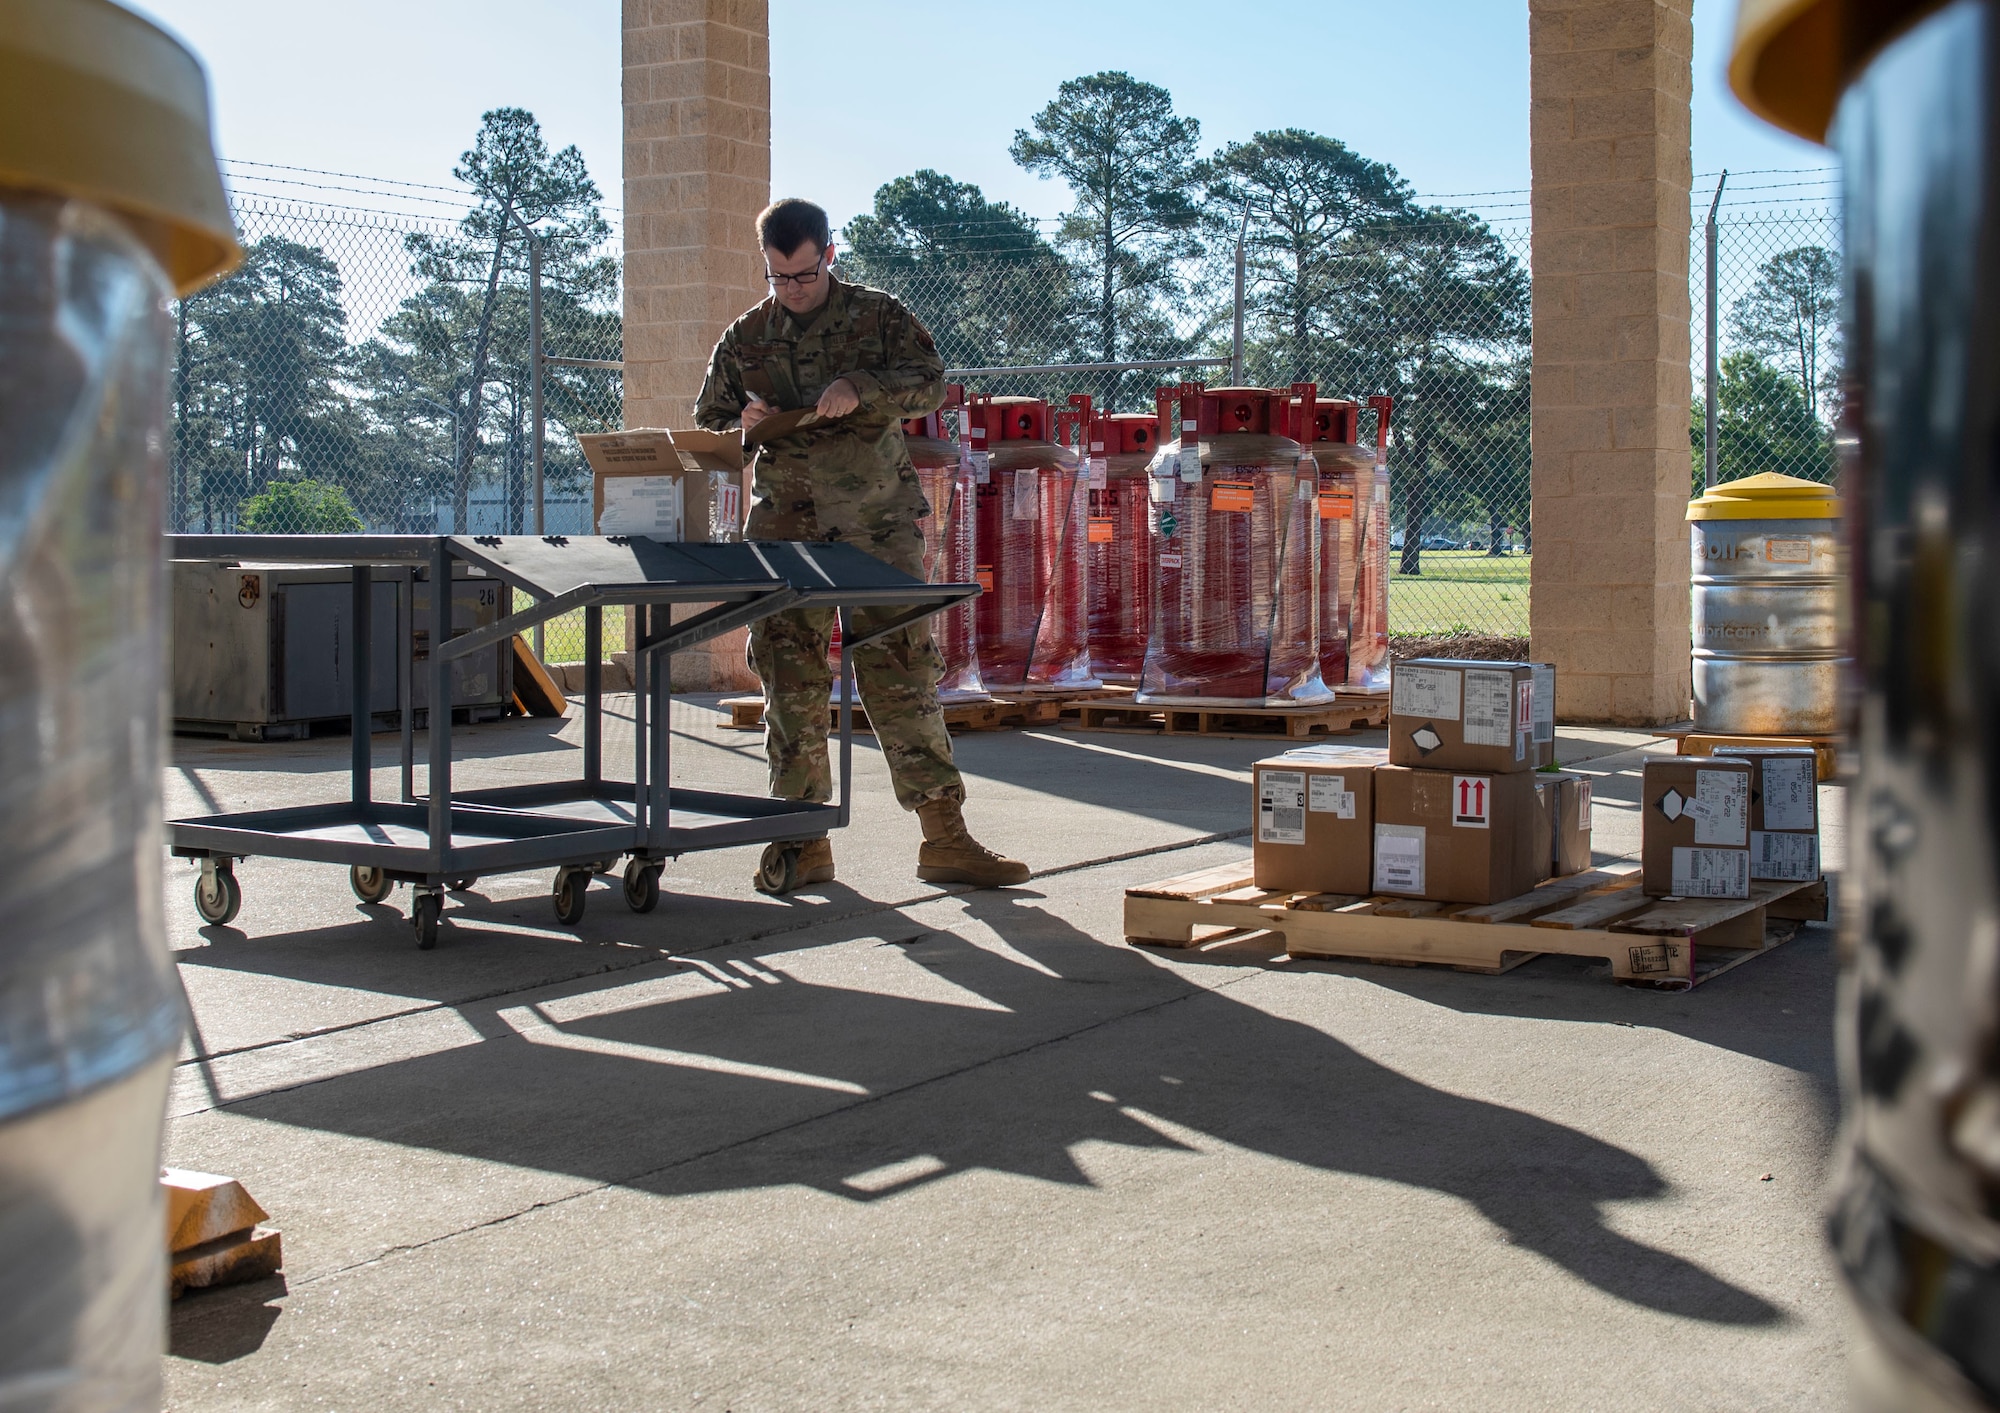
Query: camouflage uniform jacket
(852, 476)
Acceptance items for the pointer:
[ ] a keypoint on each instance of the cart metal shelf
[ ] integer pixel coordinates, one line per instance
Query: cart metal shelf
(582, 826)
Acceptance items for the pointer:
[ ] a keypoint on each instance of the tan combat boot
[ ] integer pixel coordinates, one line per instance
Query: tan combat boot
(813, 863)
(949, 854)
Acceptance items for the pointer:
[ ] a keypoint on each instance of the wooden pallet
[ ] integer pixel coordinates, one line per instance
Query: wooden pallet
(1826, 749)
(1284, 723)
(1672, 943)
(999, 713)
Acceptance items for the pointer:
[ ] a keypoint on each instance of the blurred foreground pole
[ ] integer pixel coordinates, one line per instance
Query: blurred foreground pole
(1907, 94)
(109, 205)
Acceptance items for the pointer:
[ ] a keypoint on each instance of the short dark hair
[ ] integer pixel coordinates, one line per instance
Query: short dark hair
(786, 225)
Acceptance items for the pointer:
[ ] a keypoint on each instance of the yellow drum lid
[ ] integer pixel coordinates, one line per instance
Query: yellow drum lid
(1767, 496)
(98, 104)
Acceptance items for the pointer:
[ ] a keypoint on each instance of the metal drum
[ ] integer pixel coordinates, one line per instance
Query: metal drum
(1767, 589)
(109, 203)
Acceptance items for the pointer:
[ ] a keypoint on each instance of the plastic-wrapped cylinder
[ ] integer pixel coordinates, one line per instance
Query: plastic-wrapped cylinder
(1236, 526)
(1326, 429)
(1121, 544)
(1368, 623)
(109, 204)
(1030, 540)
(946, 477)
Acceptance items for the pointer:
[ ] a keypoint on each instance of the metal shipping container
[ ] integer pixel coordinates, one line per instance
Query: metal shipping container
(261, 652)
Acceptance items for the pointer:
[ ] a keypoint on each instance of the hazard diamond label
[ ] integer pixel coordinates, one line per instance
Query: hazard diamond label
(1471, 802)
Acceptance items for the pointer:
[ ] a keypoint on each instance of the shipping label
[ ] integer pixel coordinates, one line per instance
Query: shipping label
(1524, 717)
(1027, 494)
(1424, 691)
(1720, 808)
(1100, 530)
(1790, 791)
(981, 463)
(1711, 873)
(1471, 802)
(1100, 472)
(1190, 458)
(1545, 702)
(1583, 805)
(1792, 858)
(1399, 858)
(1489, 708)
(1328, 794)
(1233, 495)
(641, 505)
(983, 576)
(1281, 807)
(1336, 505)
(1170, 561)
(1788, 550)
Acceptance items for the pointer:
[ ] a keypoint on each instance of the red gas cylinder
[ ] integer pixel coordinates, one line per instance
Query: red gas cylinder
(1030, 539)
(1121, 543)
(945, 474)
(1326, 428)
(1236, 617)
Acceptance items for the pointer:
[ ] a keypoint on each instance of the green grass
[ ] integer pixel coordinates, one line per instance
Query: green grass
(562, 638)
(1460, 591)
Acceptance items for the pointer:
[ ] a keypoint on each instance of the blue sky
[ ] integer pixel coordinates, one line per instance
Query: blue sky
(872, 89)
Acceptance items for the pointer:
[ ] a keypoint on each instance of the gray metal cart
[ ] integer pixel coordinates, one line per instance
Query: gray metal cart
(580, 826)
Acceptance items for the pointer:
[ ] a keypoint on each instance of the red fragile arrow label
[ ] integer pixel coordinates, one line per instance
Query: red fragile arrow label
(1470, 801)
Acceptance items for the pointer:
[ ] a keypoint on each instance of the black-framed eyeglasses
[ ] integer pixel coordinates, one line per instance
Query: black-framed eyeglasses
(803, 279)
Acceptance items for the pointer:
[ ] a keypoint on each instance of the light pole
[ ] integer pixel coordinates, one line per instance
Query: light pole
(1709, 420)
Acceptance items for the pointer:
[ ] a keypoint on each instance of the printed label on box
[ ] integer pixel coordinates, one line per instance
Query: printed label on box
(1281, 807)
(1190, 460)
(1788, 551)
(729, 508)
(1100, 472)
(1524, 717)
(1233, 495)
(1489, 708)
(983, 576)
(1471, 802)
(1545, 703)
(1720, 808)
(982, 466)
(1399, 858)
(641, 505)
(1100, 529)
(1583, 805)
(1711, 873)
(1328, 794)
(1424, 691)
(1170, 561)
(1790, 783)
(1793, 858)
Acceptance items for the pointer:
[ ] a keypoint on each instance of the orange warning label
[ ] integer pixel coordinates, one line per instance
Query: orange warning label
(1233, 495)
(1336, 505)
(983, 576)
(1100, 529)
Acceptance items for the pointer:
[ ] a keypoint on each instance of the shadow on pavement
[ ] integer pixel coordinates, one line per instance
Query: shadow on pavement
(217, 1326)
(1004, 1055)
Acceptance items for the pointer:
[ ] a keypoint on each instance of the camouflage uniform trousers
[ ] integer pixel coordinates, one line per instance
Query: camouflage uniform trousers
(896, 677)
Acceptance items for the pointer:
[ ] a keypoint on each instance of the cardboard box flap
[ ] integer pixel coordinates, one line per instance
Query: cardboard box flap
(653, 451)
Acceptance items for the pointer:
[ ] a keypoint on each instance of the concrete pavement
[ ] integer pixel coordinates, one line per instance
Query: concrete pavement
(882, 1145)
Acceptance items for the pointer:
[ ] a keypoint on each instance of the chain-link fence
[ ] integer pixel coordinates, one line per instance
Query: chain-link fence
(369, 370)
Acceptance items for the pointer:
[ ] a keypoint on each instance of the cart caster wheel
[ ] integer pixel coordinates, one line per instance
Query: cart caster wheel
(778, 869)
(642, 885)
(604, 866)
(571, 886)
(217, 896)
(424, 917)
(461, 885)
(370, 885)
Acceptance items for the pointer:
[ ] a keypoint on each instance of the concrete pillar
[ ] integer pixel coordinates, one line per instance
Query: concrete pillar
(697, 171)
(1611, 83)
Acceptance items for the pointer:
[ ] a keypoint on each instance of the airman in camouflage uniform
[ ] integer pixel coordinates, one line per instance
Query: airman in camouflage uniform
(866, 363)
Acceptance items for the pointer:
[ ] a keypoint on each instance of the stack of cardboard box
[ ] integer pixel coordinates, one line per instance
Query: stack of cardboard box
(1713, 825)
(1454, 810)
